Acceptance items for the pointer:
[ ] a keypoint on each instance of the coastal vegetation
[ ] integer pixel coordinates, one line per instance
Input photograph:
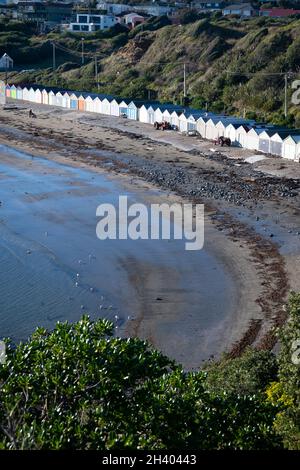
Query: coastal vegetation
(81, 387)
(232, 66)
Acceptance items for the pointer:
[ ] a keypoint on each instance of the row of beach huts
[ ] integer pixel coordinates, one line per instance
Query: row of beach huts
(242, 132)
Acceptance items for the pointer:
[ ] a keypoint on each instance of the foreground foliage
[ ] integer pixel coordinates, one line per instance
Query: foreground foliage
(79, 387)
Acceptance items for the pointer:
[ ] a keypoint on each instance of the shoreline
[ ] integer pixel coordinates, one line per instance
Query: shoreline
(254, 261)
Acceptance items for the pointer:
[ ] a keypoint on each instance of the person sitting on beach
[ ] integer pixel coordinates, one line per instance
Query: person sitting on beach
(31, 114)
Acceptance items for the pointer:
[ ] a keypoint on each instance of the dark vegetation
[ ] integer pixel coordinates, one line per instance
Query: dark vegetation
(80, 387)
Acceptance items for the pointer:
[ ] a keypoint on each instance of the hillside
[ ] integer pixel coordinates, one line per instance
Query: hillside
(229, 63)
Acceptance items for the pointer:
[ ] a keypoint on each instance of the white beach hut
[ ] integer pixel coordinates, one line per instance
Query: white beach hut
(51, 98)
(105, 108)
(31, 95)
(45, 98)
(132, 111)
(252, 140)
(220, 128)
(158, 115)
(201, 125)
(97, 105)
(276, 142)
(211, 132)
(114, 108)
(230, 132)
(183, 123)
(166, 115)
(151, 114)
(143, 114)
(89, 104)
(38, 96)
(19, 93)
(66, 100)
(123, 108)
(25, 94)
(59, 99)
(175, 118)
(191, 123)
(264, 140)
(291, 148)
(241, 135)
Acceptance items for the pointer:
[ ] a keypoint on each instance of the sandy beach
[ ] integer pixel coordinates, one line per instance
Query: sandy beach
(252, 230)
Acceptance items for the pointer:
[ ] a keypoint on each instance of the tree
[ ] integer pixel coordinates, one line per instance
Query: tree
(79, 387)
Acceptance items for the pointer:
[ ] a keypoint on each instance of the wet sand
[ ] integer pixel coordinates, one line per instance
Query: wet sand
(54, 268)
(259, 270)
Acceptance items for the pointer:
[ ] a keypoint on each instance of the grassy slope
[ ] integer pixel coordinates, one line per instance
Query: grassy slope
(213, 49)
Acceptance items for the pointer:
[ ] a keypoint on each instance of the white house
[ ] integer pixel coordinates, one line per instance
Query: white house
(89, 104)
(276, 142)
(252, 140)
(97, 105)
(166, 115)
(241, 9)
(88, 23)
(291, 148)
(6, 62)
(201, 125)
(38, 96)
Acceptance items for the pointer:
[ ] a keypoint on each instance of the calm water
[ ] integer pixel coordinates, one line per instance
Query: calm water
(48, 244)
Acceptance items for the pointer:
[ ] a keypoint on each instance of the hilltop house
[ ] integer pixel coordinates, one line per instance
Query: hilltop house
(87, 23)
(242, 9)
(6, 62)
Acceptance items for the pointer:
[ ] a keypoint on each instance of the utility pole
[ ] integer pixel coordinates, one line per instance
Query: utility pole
(285, 95)
(53, 56)
(96, 72)
(184, 80)
(82, 51)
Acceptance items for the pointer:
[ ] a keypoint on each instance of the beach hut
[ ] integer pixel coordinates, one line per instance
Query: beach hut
(151, 114)
(264, 140)
(230, 132)
(211, 133)
(89, 104)
(291, 148)
(38, 96)
(220, 127)
(97, 105)
(175, 118)
(7, 91)
(241, 135)
(51, 98)
(13, 92)
(114, 108)
(45, 98)
(252, 140)
(31, 95)
(123, 108)
(166, 115)
(192, 122)
(25, 94)
(132, 111)
(105, 106)
(143, 114)
(81, 103)
(19, 93)
(59, 99)
(66, 100)
(183, 123)
(201, 125)
(73, 101)
(158, 114)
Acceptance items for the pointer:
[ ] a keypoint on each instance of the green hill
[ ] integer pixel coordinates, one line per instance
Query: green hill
(232, 65)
